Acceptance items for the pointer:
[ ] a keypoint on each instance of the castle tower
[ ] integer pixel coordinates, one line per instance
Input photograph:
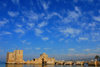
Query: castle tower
(15, 57)
(18, 56)
(10, 57)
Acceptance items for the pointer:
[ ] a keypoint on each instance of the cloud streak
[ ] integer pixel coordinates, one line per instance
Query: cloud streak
(42, 24)
(19, 31)
(38, 31)
(45, 38)
(97, 18)
(3, 22)
(70, 31)
(13, 14)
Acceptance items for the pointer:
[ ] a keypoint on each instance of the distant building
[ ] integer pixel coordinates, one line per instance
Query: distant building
(16, 57)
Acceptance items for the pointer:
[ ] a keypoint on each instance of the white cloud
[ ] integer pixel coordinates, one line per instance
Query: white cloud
(49, 31)
(78, 10)
(19, 31)
(53, 14)
(96, 50)
(3, 22)
(95, 36)
(19, 25)
(37, 48)
(13, 14)
(92, 24)
(42, 24)
(45, 38)
(38, 31)
(70, 31)
(97, 18)
(45, 5)
(66, 20)
(72, 16)
(71, 49)
(15, 1)
(31, 15)
(5, 33)
(87, 50)
(30, 25)
(25, 42)
(83, 38)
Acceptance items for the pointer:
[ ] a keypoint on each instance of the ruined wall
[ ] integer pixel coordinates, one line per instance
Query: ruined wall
(43, 59)
(15, 57)
(51, 61)
(18, 56)
(10, 57)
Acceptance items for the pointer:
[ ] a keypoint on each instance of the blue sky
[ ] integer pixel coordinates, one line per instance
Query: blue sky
(56, 27)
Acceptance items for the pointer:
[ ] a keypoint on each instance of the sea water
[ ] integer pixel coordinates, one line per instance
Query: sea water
(31, 65)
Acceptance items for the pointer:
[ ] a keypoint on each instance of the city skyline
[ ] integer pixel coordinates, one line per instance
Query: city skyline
(56, 27)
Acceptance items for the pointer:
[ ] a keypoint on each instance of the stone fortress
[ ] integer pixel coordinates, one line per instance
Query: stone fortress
(16, 57)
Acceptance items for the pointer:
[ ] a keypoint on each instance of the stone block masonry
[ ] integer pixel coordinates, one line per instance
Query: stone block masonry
(16, 57)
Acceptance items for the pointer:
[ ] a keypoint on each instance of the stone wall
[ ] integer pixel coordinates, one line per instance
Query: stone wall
(15, 57)
(10, 57)
(44, 59)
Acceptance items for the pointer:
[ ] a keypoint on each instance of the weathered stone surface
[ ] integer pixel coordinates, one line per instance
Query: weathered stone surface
(44, 59)
(17, 57)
